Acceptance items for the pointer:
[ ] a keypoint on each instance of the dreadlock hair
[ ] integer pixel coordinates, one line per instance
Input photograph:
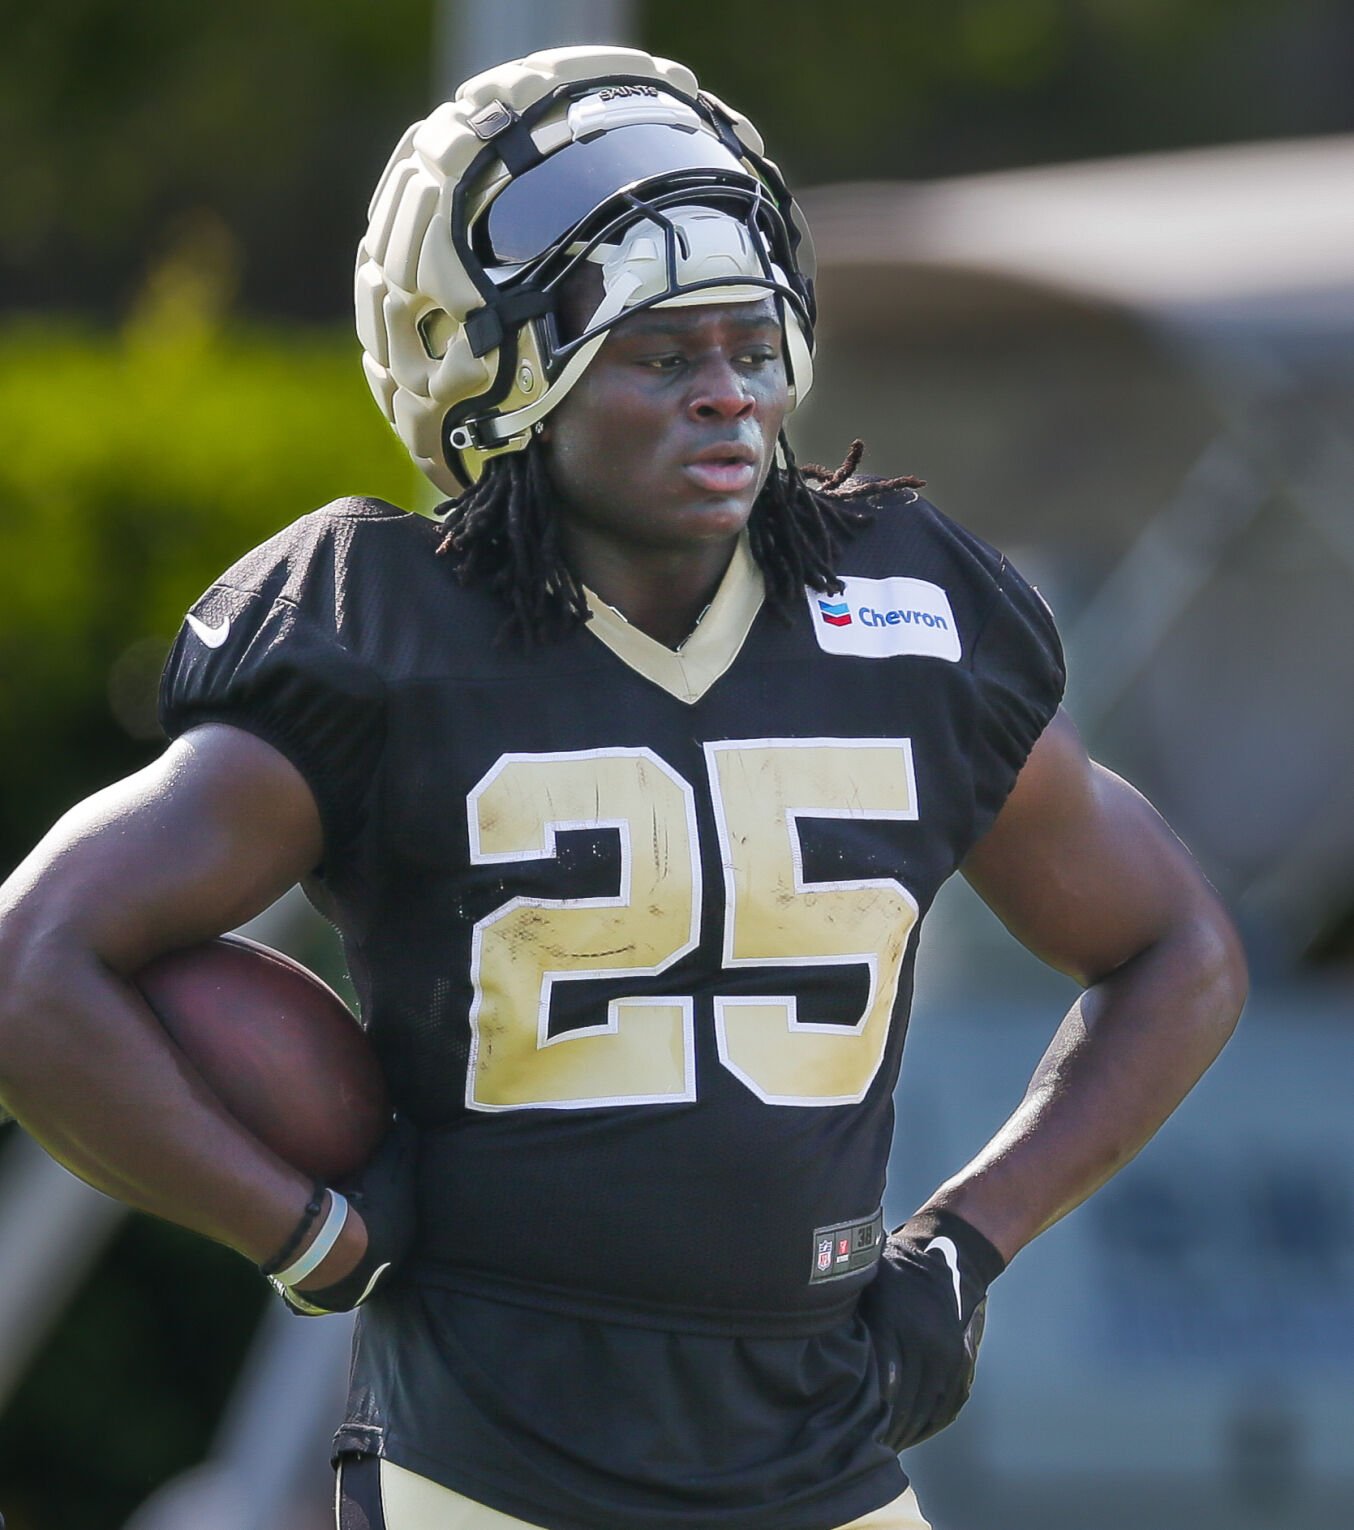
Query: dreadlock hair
(504, 535)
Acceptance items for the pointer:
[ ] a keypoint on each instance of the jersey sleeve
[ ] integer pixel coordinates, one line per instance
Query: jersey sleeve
(1020, 672)
(261, 650)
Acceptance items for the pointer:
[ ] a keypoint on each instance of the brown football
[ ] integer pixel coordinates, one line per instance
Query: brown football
(279, 1048)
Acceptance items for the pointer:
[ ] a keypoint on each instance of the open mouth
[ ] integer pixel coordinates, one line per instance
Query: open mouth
(723, 475)
(727, 469)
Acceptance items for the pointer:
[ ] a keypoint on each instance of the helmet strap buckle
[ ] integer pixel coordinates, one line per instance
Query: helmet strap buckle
(466, 437)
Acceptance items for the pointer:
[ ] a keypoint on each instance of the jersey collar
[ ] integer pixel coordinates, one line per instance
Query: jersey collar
(689, 672)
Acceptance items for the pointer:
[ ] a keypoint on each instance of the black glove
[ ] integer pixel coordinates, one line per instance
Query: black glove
(925, 1310)
(383, 1193)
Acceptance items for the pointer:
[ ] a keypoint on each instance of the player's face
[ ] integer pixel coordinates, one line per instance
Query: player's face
(666, 440)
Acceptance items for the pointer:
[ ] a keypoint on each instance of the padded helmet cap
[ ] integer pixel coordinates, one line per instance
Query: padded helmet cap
(486, 207)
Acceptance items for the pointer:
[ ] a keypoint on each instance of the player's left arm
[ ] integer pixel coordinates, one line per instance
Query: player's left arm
(1081, 868)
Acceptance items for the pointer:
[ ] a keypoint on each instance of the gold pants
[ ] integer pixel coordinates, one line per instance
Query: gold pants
(412, 1502)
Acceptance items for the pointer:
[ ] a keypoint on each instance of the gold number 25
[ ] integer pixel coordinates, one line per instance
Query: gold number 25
(642, 1051)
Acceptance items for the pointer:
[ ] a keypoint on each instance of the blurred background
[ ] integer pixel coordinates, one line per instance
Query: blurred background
(1085, 265)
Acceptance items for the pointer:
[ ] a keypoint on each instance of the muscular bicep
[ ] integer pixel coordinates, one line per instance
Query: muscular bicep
(1080, 867)
(207, 836)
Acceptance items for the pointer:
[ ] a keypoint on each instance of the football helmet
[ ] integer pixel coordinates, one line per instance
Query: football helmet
(571, 155)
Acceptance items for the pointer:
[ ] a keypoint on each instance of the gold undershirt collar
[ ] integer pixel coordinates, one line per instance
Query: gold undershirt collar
(711, 647)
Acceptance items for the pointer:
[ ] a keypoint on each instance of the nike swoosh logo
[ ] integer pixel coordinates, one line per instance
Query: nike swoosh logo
(371, 1284)
(950, 1254)
(213, 637)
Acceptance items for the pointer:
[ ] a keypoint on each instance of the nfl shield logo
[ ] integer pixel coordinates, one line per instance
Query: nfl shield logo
(825, 1253)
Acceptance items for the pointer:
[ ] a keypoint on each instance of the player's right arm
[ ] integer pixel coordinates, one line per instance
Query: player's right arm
(201, 840)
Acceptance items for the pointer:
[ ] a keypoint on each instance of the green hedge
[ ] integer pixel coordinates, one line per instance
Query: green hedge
(136, 466)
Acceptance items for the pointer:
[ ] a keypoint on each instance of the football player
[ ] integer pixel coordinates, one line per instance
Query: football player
(628, 786)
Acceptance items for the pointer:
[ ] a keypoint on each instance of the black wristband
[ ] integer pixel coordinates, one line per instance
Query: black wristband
(981, 1257)
(283, 1255)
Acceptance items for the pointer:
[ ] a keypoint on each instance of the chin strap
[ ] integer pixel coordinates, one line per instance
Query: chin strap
(498, 430)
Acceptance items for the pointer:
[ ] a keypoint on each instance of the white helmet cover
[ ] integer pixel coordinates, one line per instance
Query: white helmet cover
(572, 154)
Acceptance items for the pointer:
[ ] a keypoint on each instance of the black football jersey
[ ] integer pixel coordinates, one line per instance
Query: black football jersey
(633, 933)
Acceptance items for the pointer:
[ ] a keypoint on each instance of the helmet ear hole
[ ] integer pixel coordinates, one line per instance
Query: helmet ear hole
(436, 329)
